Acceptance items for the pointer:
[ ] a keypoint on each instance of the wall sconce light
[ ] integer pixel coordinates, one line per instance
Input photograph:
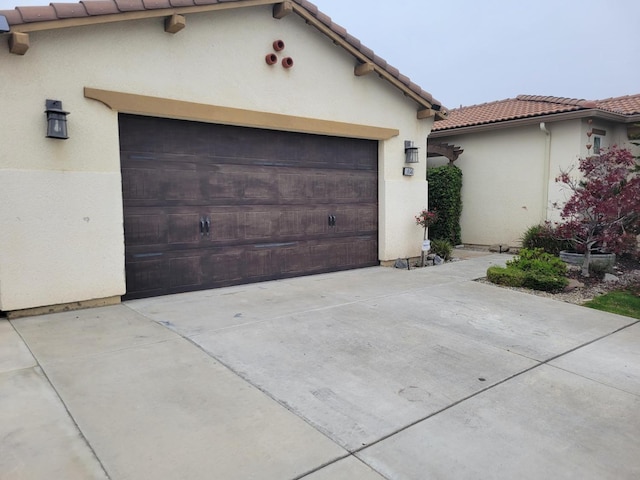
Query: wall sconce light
(410, 152)
(56, 120)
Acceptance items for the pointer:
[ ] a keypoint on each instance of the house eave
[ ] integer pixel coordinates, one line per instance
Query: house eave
(519, 122)
(427, 107)
(135, 15)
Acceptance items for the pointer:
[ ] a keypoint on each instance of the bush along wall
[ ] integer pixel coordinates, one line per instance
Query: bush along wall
(445, 198)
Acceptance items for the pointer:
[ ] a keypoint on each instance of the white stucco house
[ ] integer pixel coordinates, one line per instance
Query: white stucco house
(510, 152)
(210, 143)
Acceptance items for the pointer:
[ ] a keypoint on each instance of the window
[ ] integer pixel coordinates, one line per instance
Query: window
(596, 145)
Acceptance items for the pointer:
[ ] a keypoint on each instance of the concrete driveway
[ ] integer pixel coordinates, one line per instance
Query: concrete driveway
(368, 374)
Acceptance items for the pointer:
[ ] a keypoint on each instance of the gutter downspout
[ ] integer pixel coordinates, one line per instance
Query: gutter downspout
(546, 171)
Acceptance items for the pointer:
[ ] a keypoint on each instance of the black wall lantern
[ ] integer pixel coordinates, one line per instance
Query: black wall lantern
(410, 152)
(56, 120)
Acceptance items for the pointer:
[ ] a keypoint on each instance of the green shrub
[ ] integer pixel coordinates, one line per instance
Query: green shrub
(544, 237)
(509, 277)
(547, 283)
(533, 269)
(537, 260)
(442, 248)
(445, 198)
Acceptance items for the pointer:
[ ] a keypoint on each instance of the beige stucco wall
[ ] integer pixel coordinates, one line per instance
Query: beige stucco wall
(509, 178)
(62, 237)
(502, 183)
(509, 175)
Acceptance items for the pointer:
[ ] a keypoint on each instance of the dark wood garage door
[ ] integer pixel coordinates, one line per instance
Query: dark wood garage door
(213, 205)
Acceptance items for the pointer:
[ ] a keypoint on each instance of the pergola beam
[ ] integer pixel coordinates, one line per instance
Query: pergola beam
(451, 152)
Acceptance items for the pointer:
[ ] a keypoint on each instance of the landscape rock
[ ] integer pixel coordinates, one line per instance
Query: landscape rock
(401, 263)
(437, 260)
(608, 278)
(499, 248)
(573, 284)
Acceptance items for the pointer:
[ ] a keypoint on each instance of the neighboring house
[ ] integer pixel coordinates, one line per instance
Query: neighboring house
(514, 149)
(211, 143)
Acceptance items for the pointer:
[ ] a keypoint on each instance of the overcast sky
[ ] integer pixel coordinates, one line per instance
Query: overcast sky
(466, 52)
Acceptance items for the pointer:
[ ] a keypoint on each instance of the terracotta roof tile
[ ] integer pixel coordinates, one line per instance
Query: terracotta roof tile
(326, 19)
(155, 4)
(525, 106)
(339, 29)
(87, 8)
(100, 7)
(353, 41)
(393, 71)
(70, 10)
(627, 105)
(37, 14)
(309, 6)
(12, 16)
(381, 62)
(129, 5)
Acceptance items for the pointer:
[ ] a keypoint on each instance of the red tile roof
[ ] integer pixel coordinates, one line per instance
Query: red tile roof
(525, 106)
(627, 105)
(93, 8)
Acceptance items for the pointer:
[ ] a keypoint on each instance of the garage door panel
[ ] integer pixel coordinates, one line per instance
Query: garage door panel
(183, 228)
(146, 276)
(222, 184)
(140, 184)
(184, 272)
(211, 205)
(149, 228)
(222, 266)
(226, 226)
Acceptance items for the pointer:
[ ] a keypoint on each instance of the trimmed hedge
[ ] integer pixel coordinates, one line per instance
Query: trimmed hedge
(512, 277)
(445, 198)
(533, 269)
(509, 277)
(537, 260)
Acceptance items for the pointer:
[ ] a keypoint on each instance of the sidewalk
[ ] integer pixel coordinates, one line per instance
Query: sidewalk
(366, 374)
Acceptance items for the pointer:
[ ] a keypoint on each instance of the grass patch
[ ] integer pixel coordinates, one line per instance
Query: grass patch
(622, 302)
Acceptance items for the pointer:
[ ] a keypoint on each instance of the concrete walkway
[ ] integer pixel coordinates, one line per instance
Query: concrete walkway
(368, 374)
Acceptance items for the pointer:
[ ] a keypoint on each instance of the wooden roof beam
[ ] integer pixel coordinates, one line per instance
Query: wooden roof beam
(174, 23)
(281, 10)
(363, 69)
(19, 43)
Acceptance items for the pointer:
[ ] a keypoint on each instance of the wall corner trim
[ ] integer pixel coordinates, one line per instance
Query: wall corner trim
(183, 110)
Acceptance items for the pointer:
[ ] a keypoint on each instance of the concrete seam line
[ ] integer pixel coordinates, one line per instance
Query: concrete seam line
(64, 405)
(265, 392)
(540, 363)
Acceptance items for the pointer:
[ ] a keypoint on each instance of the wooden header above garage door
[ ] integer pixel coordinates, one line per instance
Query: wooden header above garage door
(178, 109)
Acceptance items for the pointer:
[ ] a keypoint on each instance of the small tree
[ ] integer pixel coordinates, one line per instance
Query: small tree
(603, 212)
(425, 219)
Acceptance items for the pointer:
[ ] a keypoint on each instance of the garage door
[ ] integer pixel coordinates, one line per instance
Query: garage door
(210, 205)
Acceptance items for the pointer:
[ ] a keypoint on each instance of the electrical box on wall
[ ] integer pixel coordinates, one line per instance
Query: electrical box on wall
(407, 171)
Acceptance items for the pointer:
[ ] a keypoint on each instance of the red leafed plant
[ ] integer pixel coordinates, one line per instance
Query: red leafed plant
(603, 212)
(425, 219)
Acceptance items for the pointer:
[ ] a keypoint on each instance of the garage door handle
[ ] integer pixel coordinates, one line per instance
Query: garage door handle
(332, 220)
(201, 225)
(207, 226)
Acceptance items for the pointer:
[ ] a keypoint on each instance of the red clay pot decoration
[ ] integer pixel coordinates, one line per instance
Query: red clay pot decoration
(278, 45)
(287, 62)
(271, 58)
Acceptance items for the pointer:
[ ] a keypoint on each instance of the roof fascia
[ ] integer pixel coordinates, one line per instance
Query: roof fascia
(382, 73)
(519, 122)
(138, 15)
